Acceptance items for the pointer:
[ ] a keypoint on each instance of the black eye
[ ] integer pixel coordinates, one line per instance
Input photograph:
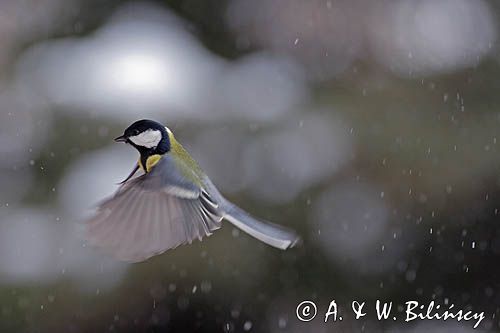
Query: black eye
(135, 132)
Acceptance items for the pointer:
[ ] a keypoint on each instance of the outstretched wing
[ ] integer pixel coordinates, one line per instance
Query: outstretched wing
(152, 213)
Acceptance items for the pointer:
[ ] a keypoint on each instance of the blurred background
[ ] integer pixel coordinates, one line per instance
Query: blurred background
(369, 126)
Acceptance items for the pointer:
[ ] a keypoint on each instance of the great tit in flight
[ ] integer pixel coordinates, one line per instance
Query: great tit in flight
(170, 204)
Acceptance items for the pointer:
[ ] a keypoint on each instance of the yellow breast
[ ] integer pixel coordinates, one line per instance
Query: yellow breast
(151, 161)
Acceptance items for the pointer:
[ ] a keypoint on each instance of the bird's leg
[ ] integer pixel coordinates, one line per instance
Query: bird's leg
(130, 175)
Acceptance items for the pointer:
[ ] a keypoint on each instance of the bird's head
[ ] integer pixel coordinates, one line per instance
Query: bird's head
(147, 136)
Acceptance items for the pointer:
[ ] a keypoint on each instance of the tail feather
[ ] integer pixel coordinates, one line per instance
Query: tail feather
(269, 233)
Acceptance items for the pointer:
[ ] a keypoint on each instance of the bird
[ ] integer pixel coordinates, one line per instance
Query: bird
(171, 203)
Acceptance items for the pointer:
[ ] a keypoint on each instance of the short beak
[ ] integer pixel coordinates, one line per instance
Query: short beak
(121, 138)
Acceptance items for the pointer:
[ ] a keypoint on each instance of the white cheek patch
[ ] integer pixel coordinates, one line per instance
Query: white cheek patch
(148, 139)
